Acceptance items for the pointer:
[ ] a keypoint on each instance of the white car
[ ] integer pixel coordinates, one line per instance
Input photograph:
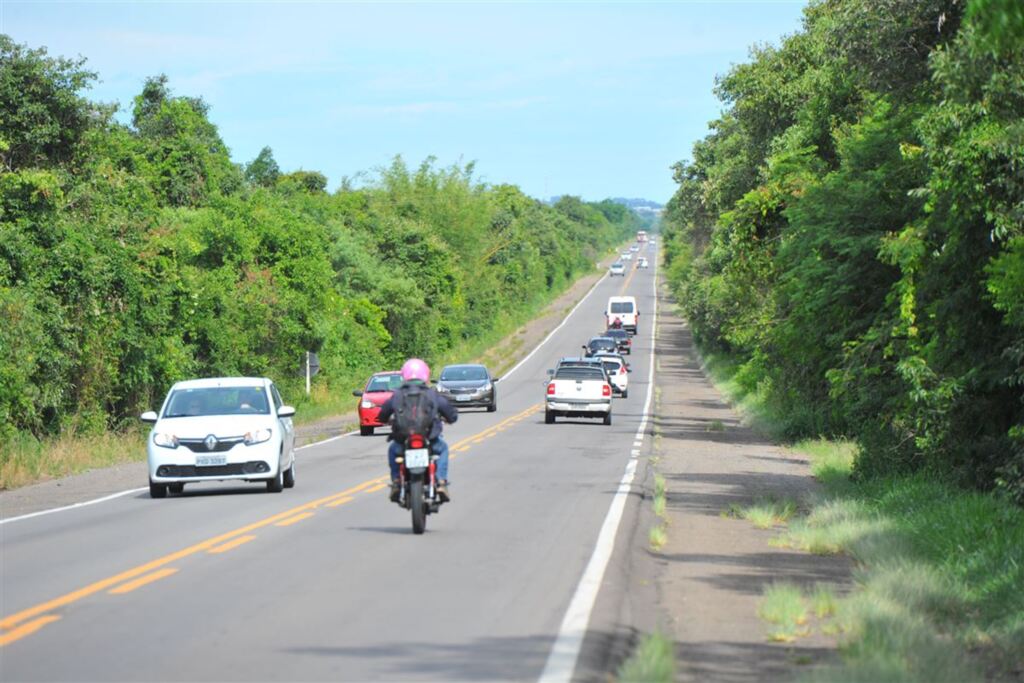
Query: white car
(618, 372)
(641, 262)
(219, 429)
(617, 269)
(627, 256)
(578, 391)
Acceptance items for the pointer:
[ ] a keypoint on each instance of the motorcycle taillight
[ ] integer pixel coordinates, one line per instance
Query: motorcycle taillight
(416, 441)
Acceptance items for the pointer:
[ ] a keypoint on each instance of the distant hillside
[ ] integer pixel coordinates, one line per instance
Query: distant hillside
(639, 204)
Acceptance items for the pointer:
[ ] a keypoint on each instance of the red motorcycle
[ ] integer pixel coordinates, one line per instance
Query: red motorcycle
(417, 472)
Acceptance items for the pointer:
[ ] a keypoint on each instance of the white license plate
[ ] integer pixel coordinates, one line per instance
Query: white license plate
(210, 460)
(417, 457)
(463, 397)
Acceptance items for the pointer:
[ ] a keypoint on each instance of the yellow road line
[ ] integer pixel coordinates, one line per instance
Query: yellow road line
(27, 629)
(142, 581)
(143, 570)
(376, 488)
(340, 501)
(297, 518)
(230, 545)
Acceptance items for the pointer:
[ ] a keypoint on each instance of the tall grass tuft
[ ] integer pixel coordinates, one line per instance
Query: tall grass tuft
(652, 662)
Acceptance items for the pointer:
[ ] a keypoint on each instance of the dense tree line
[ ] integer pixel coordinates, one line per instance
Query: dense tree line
(134, 255)
(852, 230)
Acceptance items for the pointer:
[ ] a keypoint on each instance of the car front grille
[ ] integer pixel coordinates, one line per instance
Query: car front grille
(199, 445)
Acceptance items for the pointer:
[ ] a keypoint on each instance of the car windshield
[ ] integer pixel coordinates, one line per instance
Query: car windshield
(579, 372)
(618, 334)
(622, 307)
(384, 383)
(602, 343)
(218, 401)
(611, 366)
(617, 264)
(464, 373)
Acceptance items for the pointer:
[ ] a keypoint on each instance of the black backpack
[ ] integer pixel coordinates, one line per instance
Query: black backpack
(415, 412)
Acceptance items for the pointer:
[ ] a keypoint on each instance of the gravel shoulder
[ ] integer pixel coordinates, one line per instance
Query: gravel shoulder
(713, 570)
(108, 481)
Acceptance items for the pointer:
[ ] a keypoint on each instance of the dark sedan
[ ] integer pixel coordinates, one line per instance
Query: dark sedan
(622, 339)
(468, 386)
(598, 344)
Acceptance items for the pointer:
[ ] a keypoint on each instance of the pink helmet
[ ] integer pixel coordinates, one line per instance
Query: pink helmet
(414, 368)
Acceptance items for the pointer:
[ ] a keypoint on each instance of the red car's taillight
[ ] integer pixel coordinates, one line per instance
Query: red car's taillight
(606, 390)
(551, 389)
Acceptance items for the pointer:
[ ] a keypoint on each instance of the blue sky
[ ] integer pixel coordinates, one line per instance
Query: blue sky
(591, 99)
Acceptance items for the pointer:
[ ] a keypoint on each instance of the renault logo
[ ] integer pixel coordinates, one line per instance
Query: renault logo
(210, 442)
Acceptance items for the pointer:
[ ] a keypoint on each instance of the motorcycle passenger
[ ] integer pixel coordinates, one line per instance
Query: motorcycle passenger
(616, 324)
(415, 372)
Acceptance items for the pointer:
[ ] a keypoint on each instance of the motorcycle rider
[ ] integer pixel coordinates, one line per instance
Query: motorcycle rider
(415, 372)
(616, 324)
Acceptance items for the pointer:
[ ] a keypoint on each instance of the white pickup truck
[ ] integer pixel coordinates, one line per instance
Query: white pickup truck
(576, 391)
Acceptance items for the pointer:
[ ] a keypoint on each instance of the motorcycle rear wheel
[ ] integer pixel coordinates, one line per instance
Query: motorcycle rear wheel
(416, 505)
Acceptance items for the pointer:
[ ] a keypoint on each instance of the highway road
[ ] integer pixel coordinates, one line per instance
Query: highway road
(326, 581)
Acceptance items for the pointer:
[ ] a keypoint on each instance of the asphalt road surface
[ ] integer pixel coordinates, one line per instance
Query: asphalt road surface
(326, 581)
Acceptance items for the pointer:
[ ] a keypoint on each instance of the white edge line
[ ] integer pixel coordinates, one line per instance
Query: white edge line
(333, 438)
(561, 661)
(75, 505)
(560, 325)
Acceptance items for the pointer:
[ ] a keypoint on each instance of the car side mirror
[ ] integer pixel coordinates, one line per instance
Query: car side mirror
(495, 379)
(285, 411)
(148, 416)
(357, 393)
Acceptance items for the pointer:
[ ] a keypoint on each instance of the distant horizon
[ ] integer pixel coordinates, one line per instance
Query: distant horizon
(593, 101)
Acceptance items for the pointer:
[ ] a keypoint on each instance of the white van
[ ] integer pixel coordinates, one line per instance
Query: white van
(624, 308)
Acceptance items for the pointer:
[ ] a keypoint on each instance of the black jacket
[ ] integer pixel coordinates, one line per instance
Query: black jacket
(443, 407)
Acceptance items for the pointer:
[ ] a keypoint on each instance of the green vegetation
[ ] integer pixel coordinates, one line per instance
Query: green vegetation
(653, 661)
(851, 235)
(784, 607)
(939, 569)
(135, 255)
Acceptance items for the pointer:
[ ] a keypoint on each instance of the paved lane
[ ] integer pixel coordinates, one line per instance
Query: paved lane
(326, 580)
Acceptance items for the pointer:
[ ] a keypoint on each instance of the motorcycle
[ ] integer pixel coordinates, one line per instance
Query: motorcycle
(417, 471)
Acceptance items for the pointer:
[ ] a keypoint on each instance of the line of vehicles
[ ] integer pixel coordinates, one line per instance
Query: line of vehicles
(584, 386)
(239, 428)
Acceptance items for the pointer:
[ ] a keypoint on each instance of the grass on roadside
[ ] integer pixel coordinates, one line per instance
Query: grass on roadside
(765, 513)
(937, 593)
(25, 460)
(653, 661)
(784, 607)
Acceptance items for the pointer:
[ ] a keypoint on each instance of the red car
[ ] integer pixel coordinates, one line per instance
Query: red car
(378, 389)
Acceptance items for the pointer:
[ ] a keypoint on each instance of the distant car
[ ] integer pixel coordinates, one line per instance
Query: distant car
(598, 344)
(641, 263)
(576, 361)
(468, 386)
(219, 429)
(378, 389)
(617, 269)
(622, 339)
(635, 248)
(627, 256)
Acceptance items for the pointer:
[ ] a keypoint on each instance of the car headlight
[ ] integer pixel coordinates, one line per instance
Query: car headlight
(165, 440)
(487, 387)
(366, 404)
(443, 389)
(257, 436)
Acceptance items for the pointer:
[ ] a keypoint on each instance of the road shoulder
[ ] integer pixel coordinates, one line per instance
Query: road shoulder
(713, 569)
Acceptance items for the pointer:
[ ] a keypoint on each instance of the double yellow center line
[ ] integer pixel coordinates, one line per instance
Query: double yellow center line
(30, 620)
